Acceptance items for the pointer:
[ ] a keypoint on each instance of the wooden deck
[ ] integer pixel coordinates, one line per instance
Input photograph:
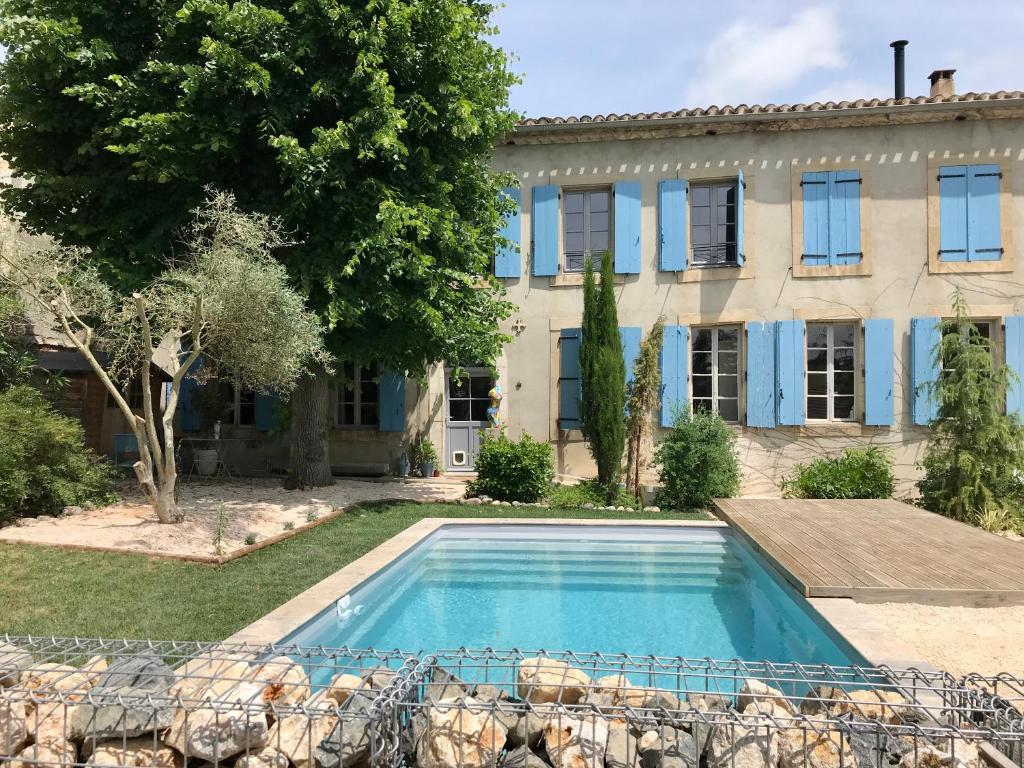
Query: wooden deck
(880, 551)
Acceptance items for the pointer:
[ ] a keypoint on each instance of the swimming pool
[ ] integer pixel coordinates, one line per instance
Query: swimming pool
(668, 591)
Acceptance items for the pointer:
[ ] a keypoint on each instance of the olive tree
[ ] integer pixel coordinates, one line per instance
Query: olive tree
(227, 301)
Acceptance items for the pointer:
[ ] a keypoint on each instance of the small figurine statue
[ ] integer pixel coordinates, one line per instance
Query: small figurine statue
(493, 416)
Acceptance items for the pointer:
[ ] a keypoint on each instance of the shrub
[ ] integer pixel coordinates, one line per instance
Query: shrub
(508, 470)
(857, 473)
(697, 462)
(587, 492)
(44, 463)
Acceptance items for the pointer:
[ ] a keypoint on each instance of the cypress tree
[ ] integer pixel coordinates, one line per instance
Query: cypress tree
(602, 376)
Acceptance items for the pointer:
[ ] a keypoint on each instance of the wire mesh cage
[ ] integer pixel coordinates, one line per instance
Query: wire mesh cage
(70, 701)
(997, 702)
(521, 709)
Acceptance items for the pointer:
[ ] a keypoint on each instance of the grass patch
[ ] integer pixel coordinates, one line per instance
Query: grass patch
(45, 591)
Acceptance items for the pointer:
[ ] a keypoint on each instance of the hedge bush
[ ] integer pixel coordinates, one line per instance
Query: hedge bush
(587, 492)
(858, 473)
(510, 470)
(44, 463)
(697, 462)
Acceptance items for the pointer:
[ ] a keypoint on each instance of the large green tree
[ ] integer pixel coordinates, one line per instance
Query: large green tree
(365, 126)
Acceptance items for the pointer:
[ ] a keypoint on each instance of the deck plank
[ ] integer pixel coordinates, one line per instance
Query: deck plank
(880, 550)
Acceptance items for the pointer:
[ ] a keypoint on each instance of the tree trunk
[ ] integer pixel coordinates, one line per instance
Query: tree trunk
(159, 494)
(309, 450)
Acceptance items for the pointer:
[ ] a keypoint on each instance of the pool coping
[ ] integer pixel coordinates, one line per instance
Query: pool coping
(850, 620)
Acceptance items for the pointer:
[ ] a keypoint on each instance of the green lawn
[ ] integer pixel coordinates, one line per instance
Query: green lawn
(53, 592)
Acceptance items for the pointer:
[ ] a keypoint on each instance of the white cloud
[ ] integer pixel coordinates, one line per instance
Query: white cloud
(750, 62)
(849, 89)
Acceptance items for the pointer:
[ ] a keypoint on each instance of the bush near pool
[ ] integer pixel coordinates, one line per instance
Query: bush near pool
(510, 470)
(858, 473)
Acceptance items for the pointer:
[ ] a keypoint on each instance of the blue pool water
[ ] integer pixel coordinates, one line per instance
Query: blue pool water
(665, 591)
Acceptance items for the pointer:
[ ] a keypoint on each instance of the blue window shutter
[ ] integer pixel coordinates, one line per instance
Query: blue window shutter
(878, 372)
(675, 357)
(266, 411)
(191, 410)
(569, 378)
(953, 213)
(789, 371)
(544, 224)
(741, 189)
(627, 227)
(844, 217)
(814, 187)
(924, 368)
(392, 401)
(506, 260)
(760, 374)
(630, 339)
(984, 240)
(672, 225)
(1014, 337)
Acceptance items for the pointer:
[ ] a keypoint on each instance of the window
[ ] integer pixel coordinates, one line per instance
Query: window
(831, 212)
(713, 224)
(831, 385)
(133, 396)
(467, 397)
(240, 405)
(983, 328)
(587, 225)
(716, 371)
(358, 396)
(969, 213)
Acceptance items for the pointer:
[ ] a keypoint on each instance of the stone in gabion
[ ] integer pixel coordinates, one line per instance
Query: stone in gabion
(268, 757)
(460, 737)
(543, 681)
(807, 749)
(296, 737)
(120, 705)
(669, 747)
(575, 742)
(224, 728)
(284, 682)
(349, 739)
(51, 753)
(623, 749)
(13, 729)
(740, 746)
(133, 753)
(13, 661)
(523, 757)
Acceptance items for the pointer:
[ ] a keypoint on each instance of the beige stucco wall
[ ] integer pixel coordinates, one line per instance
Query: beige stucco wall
(896, 162)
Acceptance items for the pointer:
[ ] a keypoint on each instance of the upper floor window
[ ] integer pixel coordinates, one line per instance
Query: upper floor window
(713, 224)
(358, 396)
(831, 218)
(715, 357)
(587, 225)
(831, 385)
(969, 213)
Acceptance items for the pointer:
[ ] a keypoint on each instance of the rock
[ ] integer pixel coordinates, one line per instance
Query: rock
(741, 746)
(884, 706)
(120, 705)
(53, 753)
(474, 501)
(378, 677)
(53, 722)
(516, 503)
(220, 729)
(284, 682)
(708, 702)
(652, 509)
(485, 692)
(70, 511)
(506, 503)
(588, 505)
(822, 701)
(543, 680)
(522, 757)
(24, 522)
(573, 742)
(807, 749)
(209, 677)
(617, 691)
(460, 737)
(495, 503)
(931, 757)
(133, 753)
(349, 739)
(622, 749)
(13, 729)
(342, 686)
(668, 748)
(13, 662)
(872, 746)
(296, 737)
(268, 757)
(47, 680)
(762, 696)
(443, 685)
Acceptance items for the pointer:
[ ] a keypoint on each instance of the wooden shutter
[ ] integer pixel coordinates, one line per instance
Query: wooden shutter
(392, 402)
(675, 359)
(630, 337)
(844, 217)
(544, 230)
(266, 411)
(814, 187)
(878, 372)
(789, 371)
(741, 187)
(1014, 336)
(925, 335)
(953, 213)
(627, 227)
(672, 225)
(189, 407)
(760, 374)
(506, 260)
(984, 239)
(569, 390)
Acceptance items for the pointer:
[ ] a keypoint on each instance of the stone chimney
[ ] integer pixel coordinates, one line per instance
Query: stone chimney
(942, 82)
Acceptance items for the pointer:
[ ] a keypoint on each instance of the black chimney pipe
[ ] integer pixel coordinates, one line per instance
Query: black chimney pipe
(898, 67)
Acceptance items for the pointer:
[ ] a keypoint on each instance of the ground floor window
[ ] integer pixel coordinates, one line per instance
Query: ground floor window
(241, 406)
(132, 395)
(831, 381)
(983, 328)
(715, 362)
(358, 396)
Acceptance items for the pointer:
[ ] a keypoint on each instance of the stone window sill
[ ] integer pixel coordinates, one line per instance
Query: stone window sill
(700, 274)
(863, 269)
(570, 279)
(937, 267)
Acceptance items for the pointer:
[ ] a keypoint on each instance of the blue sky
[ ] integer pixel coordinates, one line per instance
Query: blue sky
(598, 56)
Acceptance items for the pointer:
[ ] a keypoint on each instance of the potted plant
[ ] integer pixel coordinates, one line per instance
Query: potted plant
(424, 456)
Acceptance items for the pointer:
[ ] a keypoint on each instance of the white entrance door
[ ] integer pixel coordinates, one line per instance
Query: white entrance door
(467, 415)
